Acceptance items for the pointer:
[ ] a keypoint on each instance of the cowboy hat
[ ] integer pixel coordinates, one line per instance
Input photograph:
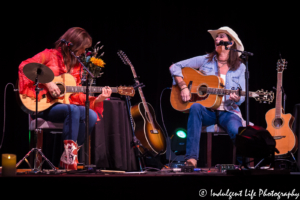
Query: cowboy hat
(231, 33)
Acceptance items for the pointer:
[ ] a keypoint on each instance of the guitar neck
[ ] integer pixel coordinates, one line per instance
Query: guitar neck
(92, 89)
(141, 93)
(127, 62)
(278, 105)
(144, 100)
(221, 91)
(143, 97)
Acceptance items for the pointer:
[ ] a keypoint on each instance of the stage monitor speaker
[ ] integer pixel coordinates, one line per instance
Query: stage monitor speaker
(255, 142)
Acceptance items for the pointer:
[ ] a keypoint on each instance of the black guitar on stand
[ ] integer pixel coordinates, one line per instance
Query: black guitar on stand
(147, 130)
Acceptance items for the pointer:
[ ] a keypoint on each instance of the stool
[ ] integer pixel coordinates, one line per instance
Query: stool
(42, 124)
(213, 129)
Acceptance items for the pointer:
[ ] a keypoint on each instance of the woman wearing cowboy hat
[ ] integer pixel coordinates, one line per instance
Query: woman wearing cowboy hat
(227, 65)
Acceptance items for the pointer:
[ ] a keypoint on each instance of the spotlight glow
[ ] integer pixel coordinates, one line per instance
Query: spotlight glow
(181, 133)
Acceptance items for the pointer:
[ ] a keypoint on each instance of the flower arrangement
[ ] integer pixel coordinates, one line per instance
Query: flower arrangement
(93, 62)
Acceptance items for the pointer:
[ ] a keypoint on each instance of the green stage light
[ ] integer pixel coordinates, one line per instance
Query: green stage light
(181, 133)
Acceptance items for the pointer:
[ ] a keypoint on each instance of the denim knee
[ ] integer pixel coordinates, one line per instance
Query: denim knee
(197, 107)
(74, 111)
(92, 117)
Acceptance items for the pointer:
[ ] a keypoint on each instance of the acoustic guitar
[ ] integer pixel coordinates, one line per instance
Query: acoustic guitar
(67, 85)
(147, 130)
(279, 124)
(208, 91)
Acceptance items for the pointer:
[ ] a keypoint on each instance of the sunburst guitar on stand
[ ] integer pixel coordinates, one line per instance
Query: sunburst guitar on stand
(208, 91)
(279, 124)
(147, 130)
(67, 85)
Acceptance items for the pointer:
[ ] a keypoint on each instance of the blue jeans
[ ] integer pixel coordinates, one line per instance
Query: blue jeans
(200, 116)
(73, 117)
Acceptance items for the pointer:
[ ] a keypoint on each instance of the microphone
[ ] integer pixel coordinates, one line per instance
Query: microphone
(66, 42)
(224, 43)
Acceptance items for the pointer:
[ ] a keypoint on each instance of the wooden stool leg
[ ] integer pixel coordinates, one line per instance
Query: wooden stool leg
(209, 149)
(234, 154)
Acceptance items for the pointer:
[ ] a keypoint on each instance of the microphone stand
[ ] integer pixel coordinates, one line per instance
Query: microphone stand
(87, 107)
(245, 55)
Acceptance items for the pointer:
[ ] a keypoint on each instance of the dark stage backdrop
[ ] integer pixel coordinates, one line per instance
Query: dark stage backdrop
(154, 35)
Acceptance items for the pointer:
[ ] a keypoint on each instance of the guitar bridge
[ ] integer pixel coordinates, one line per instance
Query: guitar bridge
(278, 137)
(154, 131)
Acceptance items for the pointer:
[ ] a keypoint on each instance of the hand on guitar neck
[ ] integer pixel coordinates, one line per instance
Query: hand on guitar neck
(234, 97)
(106, 92)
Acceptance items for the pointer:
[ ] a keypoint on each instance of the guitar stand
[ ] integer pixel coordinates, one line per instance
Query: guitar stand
(135, 143)
(149, 153)
(138, 85)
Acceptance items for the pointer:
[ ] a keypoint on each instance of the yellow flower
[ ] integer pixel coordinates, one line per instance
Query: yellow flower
(97, 61)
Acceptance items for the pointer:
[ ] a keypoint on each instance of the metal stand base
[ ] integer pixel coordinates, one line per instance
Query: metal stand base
(37, 169)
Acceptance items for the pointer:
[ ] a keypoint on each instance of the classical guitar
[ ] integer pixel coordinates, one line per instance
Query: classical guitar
(208, 90)
(67, 85)
(279, 124)
(147, 130)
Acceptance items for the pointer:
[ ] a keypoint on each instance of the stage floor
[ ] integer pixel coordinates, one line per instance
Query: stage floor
(208, 183)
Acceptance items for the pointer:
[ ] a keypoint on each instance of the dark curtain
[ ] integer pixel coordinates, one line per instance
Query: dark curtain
(296, 130)
(111, 142)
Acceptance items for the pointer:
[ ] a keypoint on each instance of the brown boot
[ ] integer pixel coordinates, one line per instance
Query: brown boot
(191, 162)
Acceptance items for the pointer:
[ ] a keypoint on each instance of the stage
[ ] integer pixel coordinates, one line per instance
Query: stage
(154, 37)
(206, 183)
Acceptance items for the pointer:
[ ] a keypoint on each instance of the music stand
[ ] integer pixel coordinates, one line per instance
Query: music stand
(38, 73)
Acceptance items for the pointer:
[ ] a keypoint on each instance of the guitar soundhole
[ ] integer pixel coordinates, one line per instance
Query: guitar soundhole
(61, 88)
(195, 97)
(202, 90)
(278, 122)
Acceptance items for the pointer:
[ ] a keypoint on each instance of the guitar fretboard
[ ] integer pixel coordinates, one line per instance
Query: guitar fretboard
(221, 91)
(92, 89)
(278, 105)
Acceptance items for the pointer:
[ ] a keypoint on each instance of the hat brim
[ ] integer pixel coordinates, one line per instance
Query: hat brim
(236, 39)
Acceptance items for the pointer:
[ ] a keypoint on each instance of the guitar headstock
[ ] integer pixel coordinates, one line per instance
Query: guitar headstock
(281, 65)
(128, 91)
(124, 57)
(264, 96)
